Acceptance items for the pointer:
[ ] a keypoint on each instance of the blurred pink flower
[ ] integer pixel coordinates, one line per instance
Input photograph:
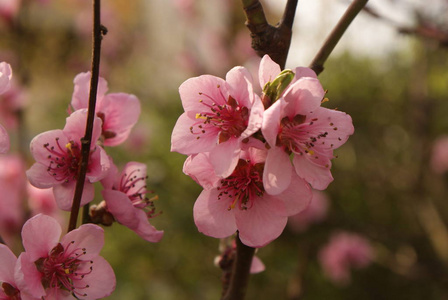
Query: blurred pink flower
(8, 288)
(58, 154)
(67, 269)
(9, 9)
(239, 202)
(11, 102)
(118, 111)
(126, 200)
(297, 124)
(439, 157)
(219, 115)
(343, 252)
(5, 75)
(314, 213)
(42, 201)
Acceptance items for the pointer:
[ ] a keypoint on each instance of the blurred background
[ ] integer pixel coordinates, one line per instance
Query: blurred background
(378, 232)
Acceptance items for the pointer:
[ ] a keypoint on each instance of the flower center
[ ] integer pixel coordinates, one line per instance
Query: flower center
(226, 120)
(134, 186)
(295, 135)
(64, 160)
(11, 292)
(244, 185)
(64, 269)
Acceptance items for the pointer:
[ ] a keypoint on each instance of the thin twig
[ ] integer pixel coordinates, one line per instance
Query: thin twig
(330, 43)
(97, 36)
(241, 271)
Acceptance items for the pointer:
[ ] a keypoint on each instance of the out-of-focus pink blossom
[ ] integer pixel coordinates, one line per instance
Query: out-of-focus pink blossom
(118, 111)
(11, 102)
(9, 9)
(42, 201)
(239, 202)
(58, 155)
(297, 124)
(314, 213)
(126, 199)
(12, 184)
(8, 287)
(5, 76)
(219, 115)
(439, 157)
(70, 268)
(344, 252)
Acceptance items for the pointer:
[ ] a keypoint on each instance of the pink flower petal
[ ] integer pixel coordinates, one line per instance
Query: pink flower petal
(255, 118)
(268, 71)
(277, 171)
(318, 176)
(75, 127)
(206, 88)
(39, 235)
(39, 177)
(145, 230)
(240, 86)
(211, 215)
(89, 237)
(296, 197)
(199, 168)
(4, 140)
(224, 157)
(99, 165)
(63, 194)
(80, 97)
(5, 77)
(53, 138)
(260, 224)
(7, 263)
(257, 265)
(27, 277)
(302, 97)
(303, 72)
(271, 122)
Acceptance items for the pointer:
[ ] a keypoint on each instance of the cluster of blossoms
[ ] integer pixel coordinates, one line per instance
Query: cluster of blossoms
(257, 158)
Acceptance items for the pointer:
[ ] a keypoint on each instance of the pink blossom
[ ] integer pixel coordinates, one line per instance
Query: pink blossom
(297, 124)
(314, 213)
(8, 287)
(58, 154)
(118, 111)
(42, 201)
(126, 199)
(5, 76)
(239, 202)
(219, 115)
(9, 9)
(70, 268)
(343, 252)
(439, 157)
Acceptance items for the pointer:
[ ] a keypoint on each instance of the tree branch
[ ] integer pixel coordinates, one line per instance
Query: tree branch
(240, 272)
(97, 36)
(352, 11)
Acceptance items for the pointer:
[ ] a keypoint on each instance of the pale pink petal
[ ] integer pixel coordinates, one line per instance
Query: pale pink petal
(240, 86)
(5, 77)
(119, 205)
(80, 97)
(260, 224)
(54, 138)
(203, 89)
(268, 71)
(89, 237)
(27, 277)
(39, 235)
(7, 263)
(303, 72)
(185, 142)
(271, 122)
(99, 165)
(296, 197)
(302, 97)
(101, 280)
(199, 168)
(211, 215)
(109, 180)
(224, 157)
(257, 265)
(121, 114)
(277, 171)
(63, 194)
(318, 176)
(145, 230)
(75, 127)
(255, 118)
(138, 170)
(4, 140)
(39, 177)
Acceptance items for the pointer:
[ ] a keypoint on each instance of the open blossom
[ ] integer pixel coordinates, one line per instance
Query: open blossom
(126, 199)
(297, 124)
(58, 155)
(118, 111)
(343, 252)
(239, 201)
(219, 115)
(70, 268)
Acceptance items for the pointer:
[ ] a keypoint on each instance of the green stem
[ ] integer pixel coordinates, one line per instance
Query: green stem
(352, 11)
(97, 36)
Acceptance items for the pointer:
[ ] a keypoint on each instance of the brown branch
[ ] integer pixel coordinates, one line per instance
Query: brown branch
(97, 36)
(241, 271)
(268, 39)
(332, 40)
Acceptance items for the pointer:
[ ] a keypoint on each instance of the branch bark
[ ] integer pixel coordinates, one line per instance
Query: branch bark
(97, 36)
